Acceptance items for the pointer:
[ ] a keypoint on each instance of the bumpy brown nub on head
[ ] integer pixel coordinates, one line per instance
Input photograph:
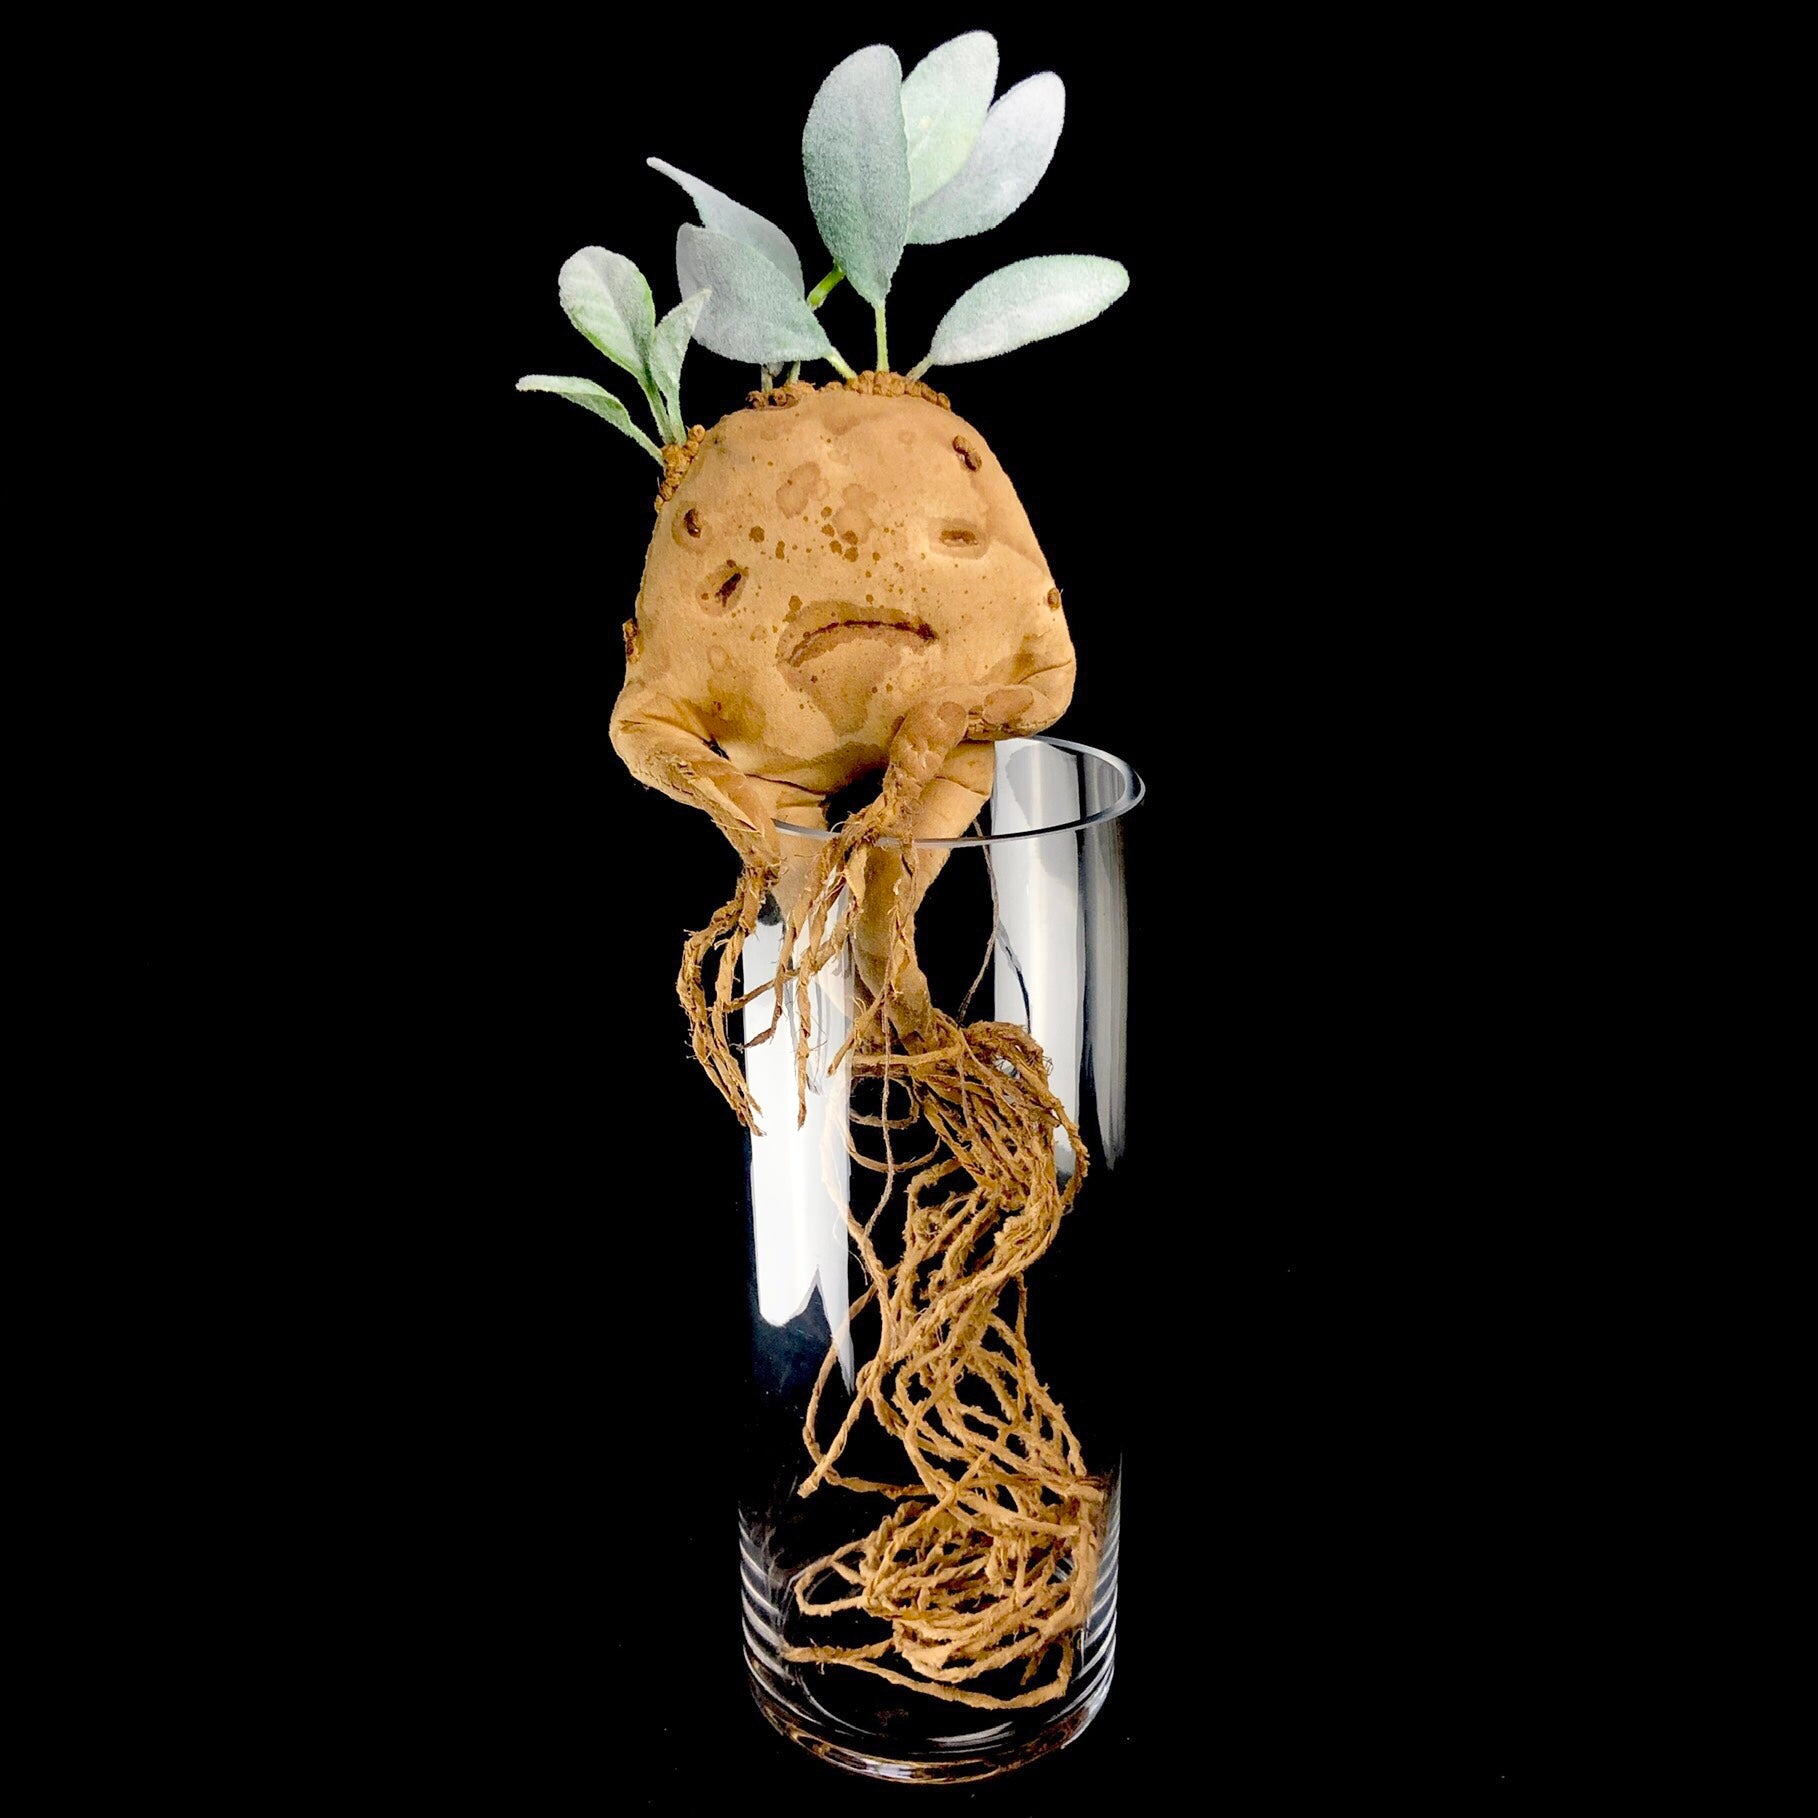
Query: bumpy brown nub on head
(676, 460)
(866, 384)
(894, 385)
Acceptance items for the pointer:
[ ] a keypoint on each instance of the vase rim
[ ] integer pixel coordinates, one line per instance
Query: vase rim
(1131, 792)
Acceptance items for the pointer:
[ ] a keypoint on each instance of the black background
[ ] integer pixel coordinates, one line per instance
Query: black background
(1260, 479)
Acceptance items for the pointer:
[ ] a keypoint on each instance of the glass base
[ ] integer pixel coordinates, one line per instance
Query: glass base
(860, 1723)
(980, 1757)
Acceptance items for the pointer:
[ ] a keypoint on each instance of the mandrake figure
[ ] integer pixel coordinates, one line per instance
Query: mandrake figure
(842, 583)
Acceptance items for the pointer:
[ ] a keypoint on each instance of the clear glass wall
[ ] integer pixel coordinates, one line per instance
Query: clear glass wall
(930, 1436)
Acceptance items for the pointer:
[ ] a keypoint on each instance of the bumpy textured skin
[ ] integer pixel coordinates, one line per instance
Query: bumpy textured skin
(837, 584)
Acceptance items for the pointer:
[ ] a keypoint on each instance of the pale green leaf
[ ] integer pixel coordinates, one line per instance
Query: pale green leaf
(1025, 302)
(945, 100)
(597, 399)
(608, 301)
(668, 345)
(1006, 162)
(855, 156)
(754, 314)
(722, 215)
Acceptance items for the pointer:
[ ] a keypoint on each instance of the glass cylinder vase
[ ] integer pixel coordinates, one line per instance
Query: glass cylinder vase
(930, 1438)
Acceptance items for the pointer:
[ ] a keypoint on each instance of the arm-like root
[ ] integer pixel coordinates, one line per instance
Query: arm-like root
(938, 777)
(941, 768)
(664, 744)
(890, 883)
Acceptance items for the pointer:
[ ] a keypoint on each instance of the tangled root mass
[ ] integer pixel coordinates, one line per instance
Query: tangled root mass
(986, 1563)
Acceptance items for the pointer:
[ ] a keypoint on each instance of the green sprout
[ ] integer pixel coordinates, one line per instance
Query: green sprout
(609, 301)
(890, 161)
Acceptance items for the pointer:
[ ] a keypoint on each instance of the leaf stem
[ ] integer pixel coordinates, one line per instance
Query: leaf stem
(883, 342)
(795, 372)
(838, 364)
(915, 372)
(823, 290)
(658, 415)
(644, 442)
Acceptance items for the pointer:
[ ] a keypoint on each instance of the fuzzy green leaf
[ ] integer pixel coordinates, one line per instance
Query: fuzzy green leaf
(597, 399)
(668, 345)
(855, 156)
(608, 301)
(1007, 160)
(722, 215)
(1024, 302)
(754, 313)
(945, 100)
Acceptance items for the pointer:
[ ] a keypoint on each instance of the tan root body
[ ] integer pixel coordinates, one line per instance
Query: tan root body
(843, 581)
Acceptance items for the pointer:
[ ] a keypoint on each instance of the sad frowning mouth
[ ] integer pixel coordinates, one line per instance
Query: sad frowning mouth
(825, 625)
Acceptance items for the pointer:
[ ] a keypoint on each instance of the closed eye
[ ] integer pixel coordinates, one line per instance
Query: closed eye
(723, 587)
